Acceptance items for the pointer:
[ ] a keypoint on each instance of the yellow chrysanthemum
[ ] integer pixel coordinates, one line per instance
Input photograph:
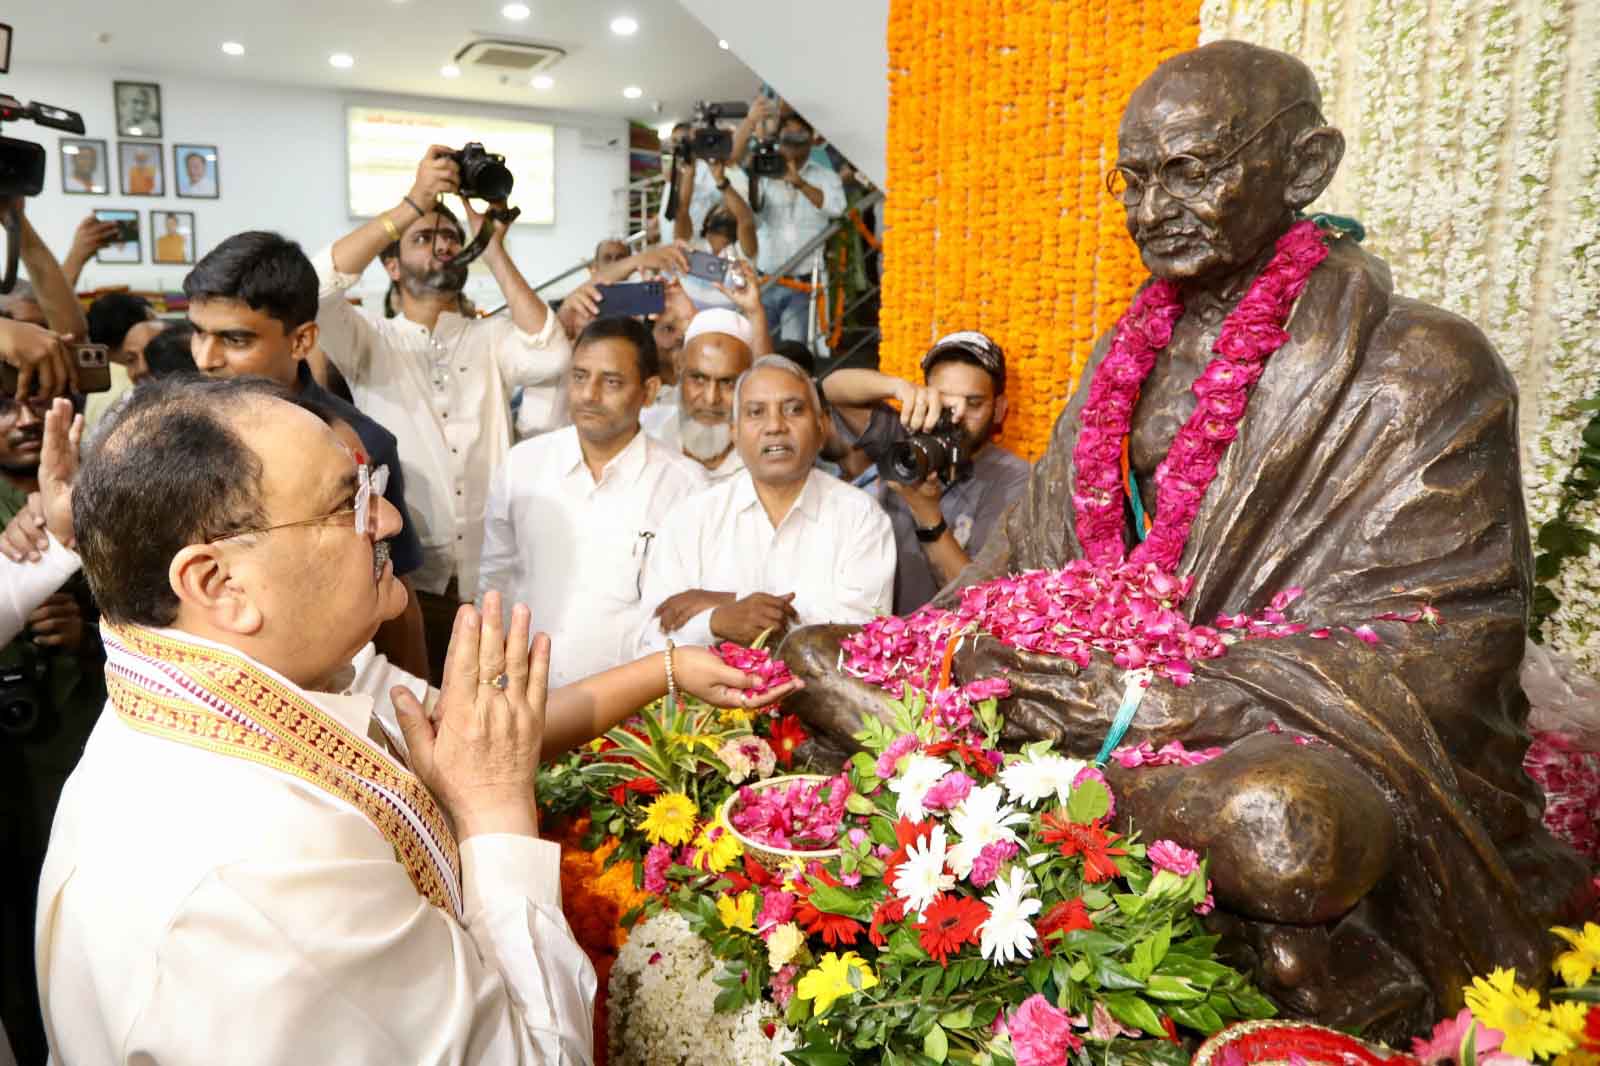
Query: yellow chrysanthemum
(1569, 1017)
(835, 976)
(736, 715)
(785, 943)
(738, 912)
(1579, 964)
(718, 847)
(1497, 1001)
(670, 818)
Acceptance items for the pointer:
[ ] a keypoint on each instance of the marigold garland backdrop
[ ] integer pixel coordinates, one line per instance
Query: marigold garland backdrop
(1473, 161)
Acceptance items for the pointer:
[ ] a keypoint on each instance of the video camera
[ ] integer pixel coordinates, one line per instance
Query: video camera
(706, 140)
(910, 457)
(22, 162)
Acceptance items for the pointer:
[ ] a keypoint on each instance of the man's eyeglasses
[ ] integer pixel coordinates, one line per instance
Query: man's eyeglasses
(370, 482)
(1183, 177)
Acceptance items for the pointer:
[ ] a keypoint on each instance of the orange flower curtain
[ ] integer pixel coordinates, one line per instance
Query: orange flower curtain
(1002, 121)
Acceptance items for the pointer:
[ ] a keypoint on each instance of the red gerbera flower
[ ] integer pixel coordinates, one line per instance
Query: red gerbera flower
(786, 737)
(1591, 1029)
(644, 786)
(755, 876)
(1090, 841)
(1064, 917)
(977, 760)
(836, 929)
(890, 910)
(948, 922)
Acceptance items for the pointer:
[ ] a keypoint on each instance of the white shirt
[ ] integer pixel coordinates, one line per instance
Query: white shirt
(788, 218)
(25, 586)
(654, 418)
(706, 195)
(834, 550)
(446, 396)
(198, 908)
(670, 433)
(573, 549)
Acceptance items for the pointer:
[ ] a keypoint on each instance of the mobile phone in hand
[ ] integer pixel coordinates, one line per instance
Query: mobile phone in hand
(94, 369)
(712, 268)
(636, 298)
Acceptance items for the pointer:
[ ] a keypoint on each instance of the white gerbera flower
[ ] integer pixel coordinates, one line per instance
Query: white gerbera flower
(911, 784)
(921, 878)
(1034, 779)
(978, 821)
(1007, 934)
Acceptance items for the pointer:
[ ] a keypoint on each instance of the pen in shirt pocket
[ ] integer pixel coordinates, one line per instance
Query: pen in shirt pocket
(641, 549)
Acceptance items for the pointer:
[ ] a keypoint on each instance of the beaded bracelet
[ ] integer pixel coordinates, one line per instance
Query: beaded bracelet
(672, 682)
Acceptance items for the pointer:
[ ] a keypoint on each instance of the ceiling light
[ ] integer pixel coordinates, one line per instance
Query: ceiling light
(233, 48)
(516, 12)
(633, 92)
(542, 81)
(342, 60)
(623, 26)
(449, 70)
(722, 44)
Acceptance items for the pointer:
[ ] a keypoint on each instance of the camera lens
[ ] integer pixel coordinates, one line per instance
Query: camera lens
(18, 716)
(913, 460)
(490, 180)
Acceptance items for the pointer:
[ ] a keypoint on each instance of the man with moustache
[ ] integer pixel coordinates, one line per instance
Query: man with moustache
(778, 544)
(440, 381)
(718, 348)
(572, 514)
(253, 307)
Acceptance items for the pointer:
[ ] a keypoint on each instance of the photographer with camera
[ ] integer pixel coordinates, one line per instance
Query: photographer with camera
(942, 479)
(52, 681)
(439, 381)
(41, 319)
(791, 208)
(692, 178)
(728, 229)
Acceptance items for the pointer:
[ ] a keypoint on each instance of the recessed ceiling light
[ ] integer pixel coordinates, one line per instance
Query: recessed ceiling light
(449, 70)
(722, 44)
(233, 48)
(623, 26)
(542, 81)
(633, 92)
(516, 12)
(342, 60)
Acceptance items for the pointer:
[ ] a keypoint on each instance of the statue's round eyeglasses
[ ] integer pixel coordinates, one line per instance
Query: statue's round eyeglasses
(1183, 177)
(370, 482)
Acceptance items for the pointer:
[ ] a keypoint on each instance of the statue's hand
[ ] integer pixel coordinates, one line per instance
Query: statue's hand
(1051, 698)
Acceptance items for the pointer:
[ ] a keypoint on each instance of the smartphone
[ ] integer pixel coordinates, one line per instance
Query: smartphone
(94, 369)
(708, 266)
(127, 228)
(636, 298)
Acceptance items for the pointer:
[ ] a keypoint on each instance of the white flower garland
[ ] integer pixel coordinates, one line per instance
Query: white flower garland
(661, 1011)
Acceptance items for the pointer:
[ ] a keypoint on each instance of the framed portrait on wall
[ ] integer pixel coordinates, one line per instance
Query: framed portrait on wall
(126, 250)
(84, 169)
(172, 237)
(138, 106)
(194, 171)
(142, 169)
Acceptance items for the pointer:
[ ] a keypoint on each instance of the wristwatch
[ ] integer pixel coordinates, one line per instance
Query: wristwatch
(928, 536)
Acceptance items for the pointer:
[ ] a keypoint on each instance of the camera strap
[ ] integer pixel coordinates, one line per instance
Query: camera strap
(13, 228)
(480, 243)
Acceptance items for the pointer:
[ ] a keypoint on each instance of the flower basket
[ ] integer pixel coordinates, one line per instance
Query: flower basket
(773, 858)
(1279, 1043)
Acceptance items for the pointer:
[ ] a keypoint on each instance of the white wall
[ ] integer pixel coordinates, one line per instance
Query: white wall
(829, 58)
(281, 155)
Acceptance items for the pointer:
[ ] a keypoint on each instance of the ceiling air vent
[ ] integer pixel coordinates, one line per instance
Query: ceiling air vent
(509, 58)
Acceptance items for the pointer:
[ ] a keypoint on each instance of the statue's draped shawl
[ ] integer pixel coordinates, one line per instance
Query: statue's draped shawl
(1377, 469)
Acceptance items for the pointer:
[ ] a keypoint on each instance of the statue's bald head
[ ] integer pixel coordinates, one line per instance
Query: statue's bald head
(1219, 147)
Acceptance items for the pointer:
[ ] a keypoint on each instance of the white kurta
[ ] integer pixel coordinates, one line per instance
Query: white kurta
(446, 397)
(25, 586)
(670, 433)
(572, 548)
(200, 908)
(834, 550)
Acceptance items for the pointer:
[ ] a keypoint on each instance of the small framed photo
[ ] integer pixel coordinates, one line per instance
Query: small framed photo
(126, 250)
(172, 237)
(84, 170)
(142, 169)
(138, 109)
(194, 171)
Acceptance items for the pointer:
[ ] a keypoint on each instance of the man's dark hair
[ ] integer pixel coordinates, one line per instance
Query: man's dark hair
(392, 249)
(171, 351)
(114, 314)
(797, 119)
(166, 469)
(720, 220)
(627, 329)
(265, 271)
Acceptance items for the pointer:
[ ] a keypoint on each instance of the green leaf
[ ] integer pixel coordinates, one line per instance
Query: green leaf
(935, 1045)
(1130, 904)
(1110, 974)
(957, 1019)
(1167, 988)
(1092, 941)
(1162, 943)
(841, 901)
(1129, 1009)
(809, 1056)
(1088, 802)
(1143, 961)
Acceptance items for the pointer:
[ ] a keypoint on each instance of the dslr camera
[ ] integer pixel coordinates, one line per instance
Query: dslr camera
(24, 709)
(766, 161)
(22, 162)
(484, 175)
(913, 456)
(706, 139)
